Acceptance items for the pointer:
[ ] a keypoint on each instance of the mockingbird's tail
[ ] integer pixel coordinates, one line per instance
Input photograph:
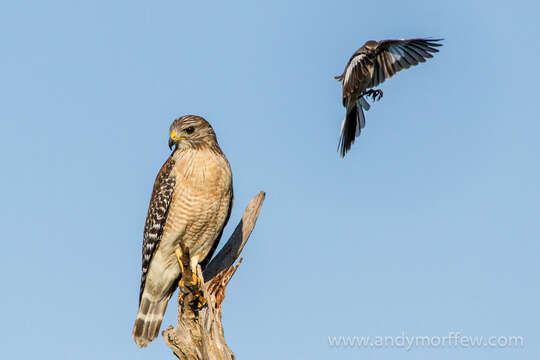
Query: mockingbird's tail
(351, 125)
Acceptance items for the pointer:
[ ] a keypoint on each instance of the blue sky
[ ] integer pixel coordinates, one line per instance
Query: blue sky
(428, 226)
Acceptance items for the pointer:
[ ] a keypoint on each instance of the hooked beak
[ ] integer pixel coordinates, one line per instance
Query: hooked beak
(172, 143)
(174, 139)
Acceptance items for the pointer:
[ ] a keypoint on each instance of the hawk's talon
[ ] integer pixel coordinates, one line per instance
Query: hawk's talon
(199, 302)
(194, 286)
(195, 280)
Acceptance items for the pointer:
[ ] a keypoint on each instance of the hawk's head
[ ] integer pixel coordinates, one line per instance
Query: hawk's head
(191, 131)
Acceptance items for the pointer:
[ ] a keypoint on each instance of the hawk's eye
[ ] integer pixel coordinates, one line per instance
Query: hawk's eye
(189, 130)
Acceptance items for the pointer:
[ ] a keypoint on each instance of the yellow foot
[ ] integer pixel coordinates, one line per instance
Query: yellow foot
(194, 286)
(195, 280)
(199, 301)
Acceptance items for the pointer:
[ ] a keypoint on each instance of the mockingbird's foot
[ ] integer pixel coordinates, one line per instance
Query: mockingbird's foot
(376, 94)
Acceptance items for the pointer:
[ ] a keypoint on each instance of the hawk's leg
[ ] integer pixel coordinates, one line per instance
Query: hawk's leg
(178, 254)
(376, 94)
(195, 286)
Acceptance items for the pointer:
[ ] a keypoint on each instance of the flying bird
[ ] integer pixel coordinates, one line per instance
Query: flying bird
(369, 66)
(190, 204)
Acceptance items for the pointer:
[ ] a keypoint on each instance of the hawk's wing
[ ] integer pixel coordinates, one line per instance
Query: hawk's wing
(157, 216)
(392, 56)
(206, 261)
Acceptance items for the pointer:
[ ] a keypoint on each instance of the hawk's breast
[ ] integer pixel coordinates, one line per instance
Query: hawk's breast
(200, 201)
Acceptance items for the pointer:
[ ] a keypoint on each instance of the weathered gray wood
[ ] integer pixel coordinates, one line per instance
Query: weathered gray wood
(199, 334)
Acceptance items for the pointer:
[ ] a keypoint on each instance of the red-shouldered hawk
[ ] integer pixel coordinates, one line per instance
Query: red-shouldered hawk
(190, 205)
(368, 67)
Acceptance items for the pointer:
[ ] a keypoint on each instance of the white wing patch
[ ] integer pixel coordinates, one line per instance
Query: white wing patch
(396, 53)
(351, 66)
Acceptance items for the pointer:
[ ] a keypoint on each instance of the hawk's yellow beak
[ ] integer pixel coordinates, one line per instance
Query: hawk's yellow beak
(175, 139)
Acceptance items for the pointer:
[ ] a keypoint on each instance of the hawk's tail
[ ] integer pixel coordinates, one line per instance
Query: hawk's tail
(148, 320)
(353, 122)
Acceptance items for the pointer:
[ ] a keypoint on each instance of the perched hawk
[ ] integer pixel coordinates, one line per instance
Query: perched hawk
(368, 67)
(190, 204)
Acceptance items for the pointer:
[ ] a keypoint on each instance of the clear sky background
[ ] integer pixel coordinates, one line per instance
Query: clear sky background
(428, 226)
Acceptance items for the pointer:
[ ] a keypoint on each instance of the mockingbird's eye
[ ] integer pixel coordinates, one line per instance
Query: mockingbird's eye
(189, 130)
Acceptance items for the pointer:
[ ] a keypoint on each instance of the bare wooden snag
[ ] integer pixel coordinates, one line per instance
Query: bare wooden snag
(199, 333)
